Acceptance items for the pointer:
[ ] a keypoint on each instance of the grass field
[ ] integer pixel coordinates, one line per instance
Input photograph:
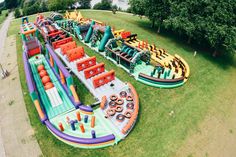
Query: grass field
(3, 16)
(156, 132)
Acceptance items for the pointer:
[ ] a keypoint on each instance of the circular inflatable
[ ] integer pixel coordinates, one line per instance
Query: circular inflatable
(112, 104)
(45, 79)
(119, 101)
(128, 114)
(123, 94)
(130, 106)
(129, 98)
(42, 73)
(119, 108)
(40, 67)
(120, 117)
(48, 85)
(111, 112)
(113, 97)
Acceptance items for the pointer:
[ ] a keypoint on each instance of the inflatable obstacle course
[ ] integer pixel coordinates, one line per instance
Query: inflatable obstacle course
(54, 16)
(28, 30)
(145, 62)
(54, 94)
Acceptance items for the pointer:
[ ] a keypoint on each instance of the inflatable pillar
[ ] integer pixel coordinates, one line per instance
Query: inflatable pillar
(86, 119)
(93, 133)
(78, 116)
(72, 124)
(93, 122)
(68, 120)
(168, 73)
(173, 77)
(106, 37)
(165, 74)
(90, 32)
(61, 127)
(62, 77)
(159, 75)
(82, 128)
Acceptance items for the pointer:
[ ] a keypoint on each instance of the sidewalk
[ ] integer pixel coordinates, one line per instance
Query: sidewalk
(16, 134)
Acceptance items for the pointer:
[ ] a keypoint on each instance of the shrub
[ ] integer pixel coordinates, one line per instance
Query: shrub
(17, 13)
(43, 7)
(35, 8)
(56, 5)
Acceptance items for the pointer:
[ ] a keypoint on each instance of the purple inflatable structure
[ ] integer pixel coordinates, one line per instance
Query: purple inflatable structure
(64, 71)
(77, 139)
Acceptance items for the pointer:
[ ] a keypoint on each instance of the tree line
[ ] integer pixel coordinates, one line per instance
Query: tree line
(29, 7)
(210, 23)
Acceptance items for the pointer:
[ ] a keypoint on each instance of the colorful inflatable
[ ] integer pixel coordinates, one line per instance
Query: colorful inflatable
(55, 97)
(145, 62)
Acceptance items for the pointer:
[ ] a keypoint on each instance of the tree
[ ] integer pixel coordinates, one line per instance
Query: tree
(85, 4)
(17, 13)
(31, 9)
(70, 3)
(55, 5)
(19, 3)
(10, 4)
(2, 5)
(230, 40)
(103, 5)
(22, 4)
(114, 9)
(220, 37)
(182, 19)
(52, 5)
(155, 10)
(29, 3)
(220, 25)
(43, 7)
(209, 23)
(137, 7)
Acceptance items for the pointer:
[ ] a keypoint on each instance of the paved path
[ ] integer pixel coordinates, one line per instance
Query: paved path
(16, 134)
(3, 32)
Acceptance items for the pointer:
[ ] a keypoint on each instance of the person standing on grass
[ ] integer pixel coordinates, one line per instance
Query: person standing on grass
(195, 53)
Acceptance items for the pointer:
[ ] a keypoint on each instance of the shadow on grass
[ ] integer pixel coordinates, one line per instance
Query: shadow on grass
(224, 60)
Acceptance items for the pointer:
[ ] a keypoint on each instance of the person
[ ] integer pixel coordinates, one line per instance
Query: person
(195, 53)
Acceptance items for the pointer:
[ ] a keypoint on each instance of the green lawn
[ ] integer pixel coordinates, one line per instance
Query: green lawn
(156, 132)
(3, 16)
